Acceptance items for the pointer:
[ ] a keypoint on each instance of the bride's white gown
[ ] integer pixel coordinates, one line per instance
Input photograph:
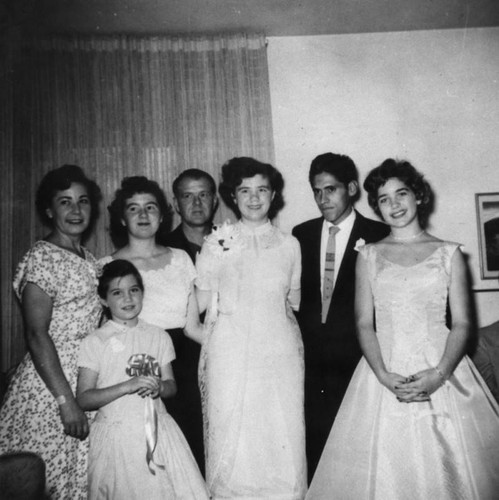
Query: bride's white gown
(252, 367)
(382, 449)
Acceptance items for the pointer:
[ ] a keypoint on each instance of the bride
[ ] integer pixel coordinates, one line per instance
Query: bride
(252, 359)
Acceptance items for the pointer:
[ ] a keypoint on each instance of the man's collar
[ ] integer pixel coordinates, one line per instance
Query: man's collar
(346, 223)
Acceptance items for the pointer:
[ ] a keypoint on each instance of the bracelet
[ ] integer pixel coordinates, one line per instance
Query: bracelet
(440, 374)
(60, 400)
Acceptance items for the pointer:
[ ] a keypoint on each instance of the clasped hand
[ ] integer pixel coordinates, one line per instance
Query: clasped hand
(413, 389)
(145, 386)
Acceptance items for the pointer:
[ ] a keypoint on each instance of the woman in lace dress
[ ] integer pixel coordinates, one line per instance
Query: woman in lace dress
(417, 421)
(140, 219)
(56, 283)
(252, 355)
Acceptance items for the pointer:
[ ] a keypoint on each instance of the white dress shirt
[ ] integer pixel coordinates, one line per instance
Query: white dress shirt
(341, 241)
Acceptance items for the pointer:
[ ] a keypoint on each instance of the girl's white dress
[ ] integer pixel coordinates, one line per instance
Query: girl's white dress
(379, 448)
(251, 368)
(117, 460)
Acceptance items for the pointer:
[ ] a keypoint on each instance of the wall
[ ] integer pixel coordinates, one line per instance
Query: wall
(431, 97)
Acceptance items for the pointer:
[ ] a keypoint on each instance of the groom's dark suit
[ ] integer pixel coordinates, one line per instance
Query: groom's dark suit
(331, 349)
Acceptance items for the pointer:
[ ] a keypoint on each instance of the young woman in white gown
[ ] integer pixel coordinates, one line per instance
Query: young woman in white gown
(417, 421)
(252, 367)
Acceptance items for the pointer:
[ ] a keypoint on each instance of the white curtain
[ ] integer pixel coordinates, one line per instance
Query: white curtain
(116, 107)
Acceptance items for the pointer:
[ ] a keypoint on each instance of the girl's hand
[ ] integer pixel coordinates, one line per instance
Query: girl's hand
(73, 419)
(143, 385)
(156, 391)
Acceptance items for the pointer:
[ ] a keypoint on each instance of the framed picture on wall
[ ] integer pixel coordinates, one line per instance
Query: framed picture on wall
(487, 210)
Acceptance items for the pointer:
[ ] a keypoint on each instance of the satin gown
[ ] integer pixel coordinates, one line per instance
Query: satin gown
(252, 368)
(380, 449)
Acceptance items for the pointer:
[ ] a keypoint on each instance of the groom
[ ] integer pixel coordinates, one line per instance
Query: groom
(326, 314)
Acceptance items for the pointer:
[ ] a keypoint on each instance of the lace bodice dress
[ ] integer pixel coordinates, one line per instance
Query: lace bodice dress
(379, 448)
(29, 418)
(166, 291)
(252, 365)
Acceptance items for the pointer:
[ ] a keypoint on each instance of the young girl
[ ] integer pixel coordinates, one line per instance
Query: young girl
(136, 448)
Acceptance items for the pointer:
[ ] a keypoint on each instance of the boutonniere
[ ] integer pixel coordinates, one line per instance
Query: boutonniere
(225, 239)
(359, 244)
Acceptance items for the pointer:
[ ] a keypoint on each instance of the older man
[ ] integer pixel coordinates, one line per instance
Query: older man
(196, 201)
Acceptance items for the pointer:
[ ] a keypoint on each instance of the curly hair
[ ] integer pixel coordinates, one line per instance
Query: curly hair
(60, 179)
(237, 169)
(129, 187)
(405, 172)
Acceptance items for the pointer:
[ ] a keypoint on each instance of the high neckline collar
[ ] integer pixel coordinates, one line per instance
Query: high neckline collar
(258, 230)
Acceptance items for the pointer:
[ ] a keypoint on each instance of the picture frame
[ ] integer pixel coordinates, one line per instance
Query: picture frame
(487, 210)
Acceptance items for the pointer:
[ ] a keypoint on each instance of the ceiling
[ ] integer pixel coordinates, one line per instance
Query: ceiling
(270, 17)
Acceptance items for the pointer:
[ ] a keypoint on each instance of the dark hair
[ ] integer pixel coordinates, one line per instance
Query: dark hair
(118, 268)
(194, 174)
(341, 166)
(405, 172)
(237, 169)
(129, 187)
(60, 179)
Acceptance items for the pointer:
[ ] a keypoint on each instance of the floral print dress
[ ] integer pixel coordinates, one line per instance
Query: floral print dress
(29, 417)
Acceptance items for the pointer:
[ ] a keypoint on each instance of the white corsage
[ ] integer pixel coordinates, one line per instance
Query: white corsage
(225, 239)
(359, 244)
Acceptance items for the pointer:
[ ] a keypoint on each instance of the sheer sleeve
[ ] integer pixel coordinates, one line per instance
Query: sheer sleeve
(296, 266)
(207, 267)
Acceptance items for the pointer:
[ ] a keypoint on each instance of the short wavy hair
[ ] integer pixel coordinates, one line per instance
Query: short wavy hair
(60, 179)
(239, 168)
(129, 187)
(405, 172)
(118, 268)
(195, 174)
(342, 167)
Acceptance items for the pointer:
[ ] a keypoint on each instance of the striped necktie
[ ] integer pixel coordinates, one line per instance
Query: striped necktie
(328, 283)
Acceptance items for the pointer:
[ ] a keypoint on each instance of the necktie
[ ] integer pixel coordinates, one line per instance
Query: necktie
(328, 283)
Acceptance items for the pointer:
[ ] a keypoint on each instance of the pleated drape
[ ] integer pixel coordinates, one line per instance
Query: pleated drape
(121, 106)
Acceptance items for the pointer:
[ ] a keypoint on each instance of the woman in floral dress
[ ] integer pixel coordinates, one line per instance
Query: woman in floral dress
(56, 283)
(252, 354)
